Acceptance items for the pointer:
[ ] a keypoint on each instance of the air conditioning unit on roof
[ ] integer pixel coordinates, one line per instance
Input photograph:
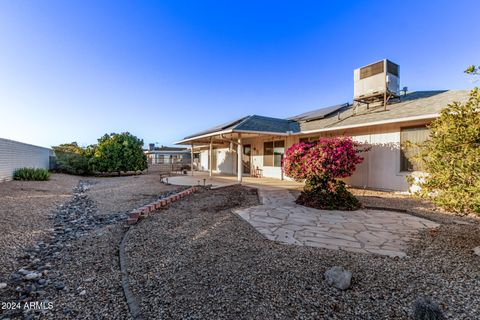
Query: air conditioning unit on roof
(376, 79)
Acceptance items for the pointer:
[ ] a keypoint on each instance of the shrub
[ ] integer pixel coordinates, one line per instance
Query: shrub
(72, 159)
(118, 153)
(320, 165)
(451, 157)
(31, 174)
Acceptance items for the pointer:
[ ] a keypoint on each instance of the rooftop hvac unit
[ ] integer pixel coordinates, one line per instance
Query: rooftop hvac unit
(376, 79)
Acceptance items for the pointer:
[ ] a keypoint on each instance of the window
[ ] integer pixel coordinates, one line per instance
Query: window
(309, 139)
(273, 153)
(408, 138)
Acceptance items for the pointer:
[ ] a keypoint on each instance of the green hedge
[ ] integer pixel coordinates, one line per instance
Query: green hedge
(33, 174)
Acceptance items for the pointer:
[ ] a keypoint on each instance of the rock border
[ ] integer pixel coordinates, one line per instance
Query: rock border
(136, 214)
(132, 303)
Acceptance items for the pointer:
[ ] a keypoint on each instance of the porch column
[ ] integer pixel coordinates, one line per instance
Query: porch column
(239, 158)
(191, 160)
(210, 158)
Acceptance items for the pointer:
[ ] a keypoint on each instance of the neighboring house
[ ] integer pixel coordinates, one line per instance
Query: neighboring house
(15, 155)
(382, 119)
(168, 155)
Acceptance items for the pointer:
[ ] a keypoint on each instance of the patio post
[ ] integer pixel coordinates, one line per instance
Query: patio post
(210, 158)
(239, 158)
(191, 160)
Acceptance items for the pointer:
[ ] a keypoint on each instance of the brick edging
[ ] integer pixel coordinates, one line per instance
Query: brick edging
(141, 212)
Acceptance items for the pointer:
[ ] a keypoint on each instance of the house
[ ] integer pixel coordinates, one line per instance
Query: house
(380, 115)
(167, 155)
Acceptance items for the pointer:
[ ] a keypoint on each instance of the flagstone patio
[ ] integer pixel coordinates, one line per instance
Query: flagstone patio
(365, 231)
(280, 219)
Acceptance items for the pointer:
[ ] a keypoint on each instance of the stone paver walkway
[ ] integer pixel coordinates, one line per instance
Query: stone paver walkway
(366, 231)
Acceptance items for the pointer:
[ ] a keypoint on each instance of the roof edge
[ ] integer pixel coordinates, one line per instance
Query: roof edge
(373, 123)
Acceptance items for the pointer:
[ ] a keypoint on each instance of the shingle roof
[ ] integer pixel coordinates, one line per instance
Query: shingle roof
(413, 104)
(254, 123)
(221, 127)
(267, 124)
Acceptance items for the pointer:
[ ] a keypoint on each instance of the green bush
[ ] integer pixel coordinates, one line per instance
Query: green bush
(451, 157)
(117, 152)
(31, 174)
(72, 159)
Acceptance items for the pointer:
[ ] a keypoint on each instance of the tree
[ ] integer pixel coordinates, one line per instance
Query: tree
(118, 153)
(321, 164)
(473, 70)
(70, 158)
(451, 157)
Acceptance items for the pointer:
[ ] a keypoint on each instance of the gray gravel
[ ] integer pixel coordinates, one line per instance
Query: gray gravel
(196, 260)
(74, 265)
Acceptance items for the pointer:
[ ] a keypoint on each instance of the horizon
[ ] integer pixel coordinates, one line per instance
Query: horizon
(76, 71)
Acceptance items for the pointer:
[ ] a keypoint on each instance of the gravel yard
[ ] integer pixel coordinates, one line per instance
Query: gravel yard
(420, 207)
(197, 260)
(70, 243)
(24, 210)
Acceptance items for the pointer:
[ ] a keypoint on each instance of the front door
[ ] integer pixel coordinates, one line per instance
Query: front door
(247, 151)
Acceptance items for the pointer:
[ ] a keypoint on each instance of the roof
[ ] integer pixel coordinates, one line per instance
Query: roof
(319, 113)
(422, 104)
(167, 151)
(254, 123)
(266, 124)
(418, 104)
(221, 127)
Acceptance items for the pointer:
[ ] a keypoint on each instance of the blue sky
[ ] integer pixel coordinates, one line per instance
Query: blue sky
(74, 70)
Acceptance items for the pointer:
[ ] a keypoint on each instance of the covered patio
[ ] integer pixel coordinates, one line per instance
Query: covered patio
(236, 148)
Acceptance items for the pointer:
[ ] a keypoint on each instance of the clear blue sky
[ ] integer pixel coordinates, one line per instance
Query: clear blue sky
(74, 70)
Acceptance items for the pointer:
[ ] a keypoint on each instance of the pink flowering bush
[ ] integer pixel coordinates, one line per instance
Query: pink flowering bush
(320, 164)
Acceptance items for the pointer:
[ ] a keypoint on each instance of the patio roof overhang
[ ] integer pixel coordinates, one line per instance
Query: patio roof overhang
(226, 136)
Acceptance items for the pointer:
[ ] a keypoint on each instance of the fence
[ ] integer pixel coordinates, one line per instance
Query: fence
(15, 155)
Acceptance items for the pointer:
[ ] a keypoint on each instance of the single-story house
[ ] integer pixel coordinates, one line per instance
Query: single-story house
(254, 145)
(167, 155)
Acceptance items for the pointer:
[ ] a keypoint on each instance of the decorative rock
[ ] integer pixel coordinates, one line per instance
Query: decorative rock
(426, 309)
(476, 251)
(59, 285)
(3, 285)
(338, 277)
(83, 292)
(23, 271)
(33, 276)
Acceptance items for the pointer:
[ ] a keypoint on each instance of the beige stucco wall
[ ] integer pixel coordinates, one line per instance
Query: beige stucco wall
(380, 169)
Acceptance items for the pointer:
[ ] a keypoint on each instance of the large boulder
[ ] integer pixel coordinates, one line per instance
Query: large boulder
(338, 277)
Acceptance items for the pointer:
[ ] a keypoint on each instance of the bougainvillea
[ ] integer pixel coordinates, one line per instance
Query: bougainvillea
(331, 158)
(320, 164)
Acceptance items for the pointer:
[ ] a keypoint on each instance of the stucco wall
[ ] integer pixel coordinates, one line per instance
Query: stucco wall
(15, 155)
(380, 169)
